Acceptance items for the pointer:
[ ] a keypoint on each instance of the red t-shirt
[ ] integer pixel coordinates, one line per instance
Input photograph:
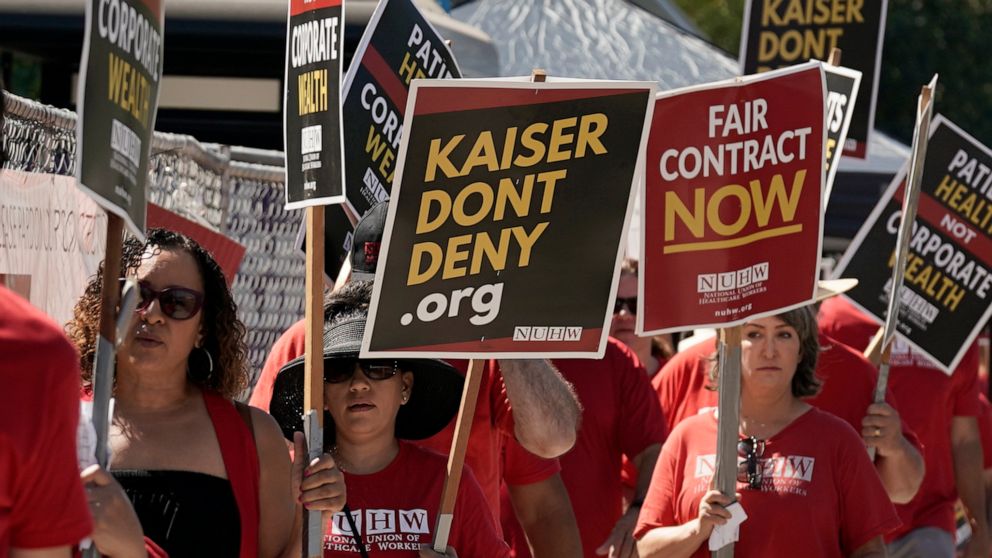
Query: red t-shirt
(493, 420)
(520, 467)
(848, 384)
(820, 496)
(929, 400)
(42, 503)
(620, 416)
(985, 430)
(395, 510)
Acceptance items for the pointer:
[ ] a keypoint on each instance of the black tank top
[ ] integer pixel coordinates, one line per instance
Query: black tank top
(188, 514)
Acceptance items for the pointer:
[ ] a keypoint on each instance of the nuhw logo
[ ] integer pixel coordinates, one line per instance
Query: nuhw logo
(547, 333)
(731, 280)
(382, 521)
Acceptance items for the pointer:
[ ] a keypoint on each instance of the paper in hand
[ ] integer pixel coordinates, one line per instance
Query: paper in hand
(729, 532)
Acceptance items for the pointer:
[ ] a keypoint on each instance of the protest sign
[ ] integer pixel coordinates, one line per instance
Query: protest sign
(312, 104)
(52, 238)
(780, 33)
(842, 94)
(945, 297)
(504, 239)
(731, 203)
(398, 45)
(119, 78)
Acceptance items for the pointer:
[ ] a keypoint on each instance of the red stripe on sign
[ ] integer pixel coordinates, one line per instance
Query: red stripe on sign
(588, 342)
(227, 252)
(297, 7)
(433, 100)
(154, 6)
(387, 78)
(954, 225)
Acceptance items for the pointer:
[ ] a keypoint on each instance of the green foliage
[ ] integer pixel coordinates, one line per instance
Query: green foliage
(948, 37)
(719, 20)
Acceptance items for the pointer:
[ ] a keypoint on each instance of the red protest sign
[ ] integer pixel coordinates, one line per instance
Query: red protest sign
(732, 226)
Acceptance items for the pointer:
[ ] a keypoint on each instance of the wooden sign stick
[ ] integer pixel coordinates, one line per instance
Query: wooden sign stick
(834, 59)
(463, 425)
(910, 201)
(313, 383)
(456, 457)
(106, 343)
(103, 364)
(728, 419)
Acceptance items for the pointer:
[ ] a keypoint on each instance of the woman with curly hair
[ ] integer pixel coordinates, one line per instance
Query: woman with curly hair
(205, 476)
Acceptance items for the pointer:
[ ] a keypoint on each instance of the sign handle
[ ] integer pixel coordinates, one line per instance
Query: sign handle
(106, 346)
(910, 202)
(728, 419)
(313, 383)
(834, 59)
(456, 458)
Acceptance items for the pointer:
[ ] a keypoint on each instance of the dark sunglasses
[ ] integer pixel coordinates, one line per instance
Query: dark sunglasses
(178, 303)
(750, 470)
(341, 370)
(629, 303)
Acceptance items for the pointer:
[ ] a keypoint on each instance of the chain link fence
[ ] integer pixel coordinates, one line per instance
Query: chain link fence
(235, 191)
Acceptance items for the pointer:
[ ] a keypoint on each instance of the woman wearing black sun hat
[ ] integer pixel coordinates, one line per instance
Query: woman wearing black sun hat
(372, 407)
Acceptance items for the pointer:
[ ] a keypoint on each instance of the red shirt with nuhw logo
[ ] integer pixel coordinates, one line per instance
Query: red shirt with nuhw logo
(820, 496)
(395, 511)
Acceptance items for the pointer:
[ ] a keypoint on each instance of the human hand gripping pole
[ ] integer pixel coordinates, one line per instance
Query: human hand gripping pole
(881, 345)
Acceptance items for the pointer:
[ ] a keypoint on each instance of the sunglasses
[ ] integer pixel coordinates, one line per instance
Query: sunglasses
(341, 370)
(750, 470)
(178, 303)
(629, 303)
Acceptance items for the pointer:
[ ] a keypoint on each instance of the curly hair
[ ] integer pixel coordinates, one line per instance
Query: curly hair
(222, 332)
(804, 382)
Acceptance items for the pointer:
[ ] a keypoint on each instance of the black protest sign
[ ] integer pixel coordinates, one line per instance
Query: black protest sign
(120, 74)
(312, 103)
(842, 93)
(338, 232)
(780, 33)
(947, 288)
(398, 45)
(504, 231)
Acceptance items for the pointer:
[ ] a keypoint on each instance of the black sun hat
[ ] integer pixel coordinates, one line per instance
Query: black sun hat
(434, 399)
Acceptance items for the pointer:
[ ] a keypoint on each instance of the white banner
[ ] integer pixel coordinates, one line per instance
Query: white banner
(52, 238)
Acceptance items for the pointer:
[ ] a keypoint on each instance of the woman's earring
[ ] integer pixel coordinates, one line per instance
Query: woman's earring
(210, 361)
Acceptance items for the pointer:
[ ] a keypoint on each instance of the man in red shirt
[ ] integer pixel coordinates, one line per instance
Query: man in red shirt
(43, 508)
(848, 391)
(620, 417)
(942, 411)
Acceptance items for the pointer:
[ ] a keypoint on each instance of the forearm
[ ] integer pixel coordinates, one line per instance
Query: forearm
(645, 462)
(545, 513)
(971, 486)
(545, 410)
(672, 542)
(901, 472)
(555, 535)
